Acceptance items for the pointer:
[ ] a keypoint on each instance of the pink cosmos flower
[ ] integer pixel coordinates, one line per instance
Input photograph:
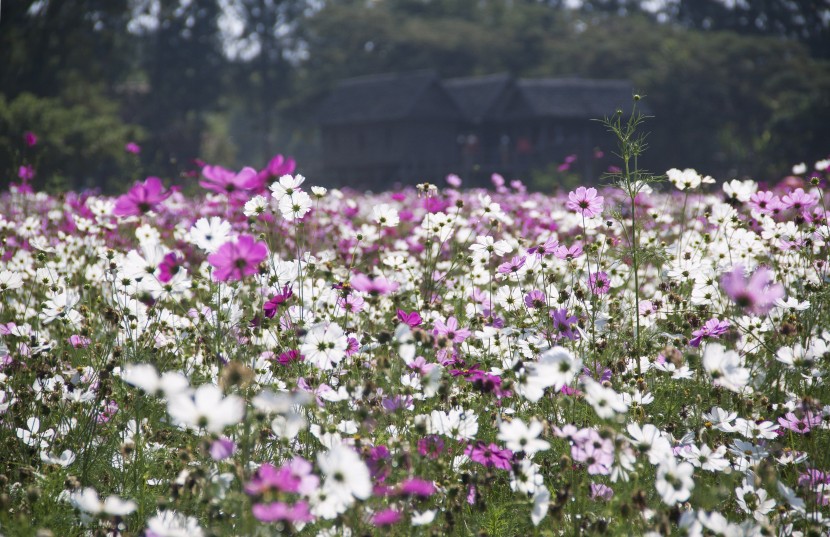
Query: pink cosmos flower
(756, 295)
(374, 286)
(512, 266)
(568, 254)
(535, 299)
(416, 487)
(169, 267)
(133, 148)
(26, 173)
(277, 167)
(799, 200)
(600, 491)
(599, 283)
(450, 330)
(142, 198)
(585, 202)
(801, 425)
(714, 327)
(30, 139)
(221, 449)
(223, 181)
(270, 308)
(387, 517)
(412, 319)
(431, 446)
(78, 341)
(489, 455)
(765, 202)
(454, 180)
(276, 511)
(236, 259)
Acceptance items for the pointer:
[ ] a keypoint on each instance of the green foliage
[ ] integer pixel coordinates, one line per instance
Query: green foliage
(78, 141)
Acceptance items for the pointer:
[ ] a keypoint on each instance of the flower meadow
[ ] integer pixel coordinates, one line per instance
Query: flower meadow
(645, 356)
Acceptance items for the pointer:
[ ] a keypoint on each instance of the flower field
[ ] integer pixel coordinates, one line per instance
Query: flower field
(274, 358)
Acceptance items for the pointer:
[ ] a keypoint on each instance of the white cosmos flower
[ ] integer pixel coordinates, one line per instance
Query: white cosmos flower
(457, 423)
(753, 501)
(255, 206)
(287, 185)
(606, 402)
(66, 458)
(174, 524)
(556, 368)
(541, 501)
(651, 441)
(385, 215)
(674, 481)
(324, 345)
(87, 500)
(10, 280)
(210, 234)
(295, 206)
(145, 377)
(422, 519)
(726, 367)
(705, 458)
(347, 476)
(207, 408)
(520, 437)
(721, 419)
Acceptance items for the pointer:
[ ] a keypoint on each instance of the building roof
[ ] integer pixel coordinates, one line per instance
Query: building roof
(575, 98)
(477, 96)
(421, 94)
(386, 97)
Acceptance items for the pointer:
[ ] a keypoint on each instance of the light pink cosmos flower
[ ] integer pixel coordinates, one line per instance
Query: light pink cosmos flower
(765, 202)
(585, 202)
(132, 147)
(801, 425)
(757, 294)
(799, 200)
(236, 259)
(142, 198)
(450, 330)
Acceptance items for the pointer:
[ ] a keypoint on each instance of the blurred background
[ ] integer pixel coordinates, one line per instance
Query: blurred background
(737, 87)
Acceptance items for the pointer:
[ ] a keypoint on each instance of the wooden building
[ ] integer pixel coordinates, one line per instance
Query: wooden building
(415, 127)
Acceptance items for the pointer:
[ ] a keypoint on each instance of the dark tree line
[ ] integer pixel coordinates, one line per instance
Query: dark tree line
(735, 90)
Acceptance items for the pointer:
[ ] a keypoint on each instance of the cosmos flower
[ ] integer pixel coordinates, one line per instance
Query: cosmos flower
(757, 294)
(236, 259)
(599, 283)
(141, 199)
(87, 500)
(218, 179)
(518, 436)
(674, 481)
(206, 409)
(346, 475)
(324, 345)
(210, 233)
(713, 328)
(585, 201)
(450, 330)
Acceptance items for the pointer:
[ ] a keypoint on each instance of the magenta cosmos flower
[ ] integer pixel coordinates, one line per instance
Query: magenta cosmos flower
(236, 259)
(142, 198)
(599, 283)
(585, 202)
(757, 294)
(218, 179)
